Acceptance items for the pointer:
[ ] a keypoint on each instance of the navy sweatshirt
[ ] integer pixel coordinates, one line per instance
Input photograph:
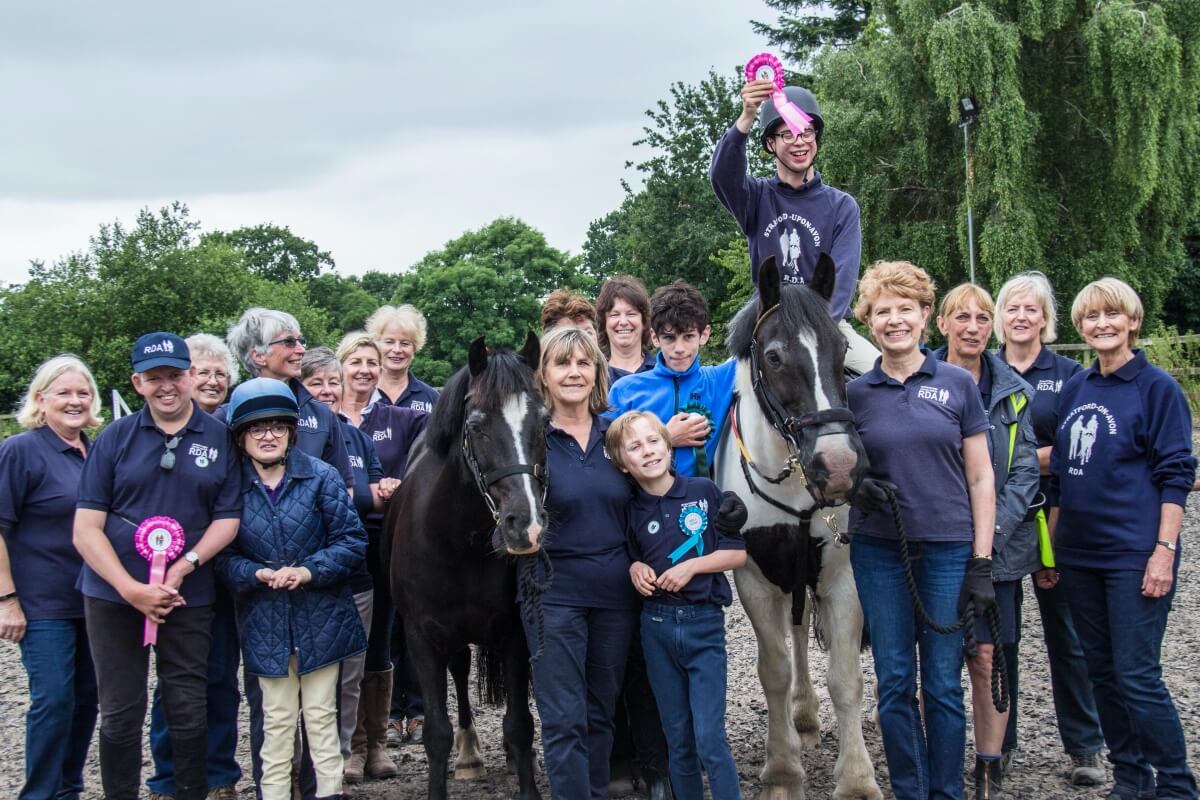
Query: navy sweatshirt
(794, 225)
(1123, 447)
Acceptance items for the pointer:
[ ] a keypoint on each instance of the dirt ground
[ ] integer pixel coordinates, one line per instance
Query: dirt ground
(1038, 770)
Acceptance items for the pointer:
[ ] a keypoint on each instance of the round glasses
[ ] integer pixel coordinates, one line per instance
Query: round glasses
(806, 135)
(277, 430)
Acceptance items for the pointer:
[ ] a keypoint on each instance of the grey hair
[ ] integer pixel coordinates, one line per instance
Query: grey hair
(317, 360)
(1036, 284)
(254, 330)
(205, 345)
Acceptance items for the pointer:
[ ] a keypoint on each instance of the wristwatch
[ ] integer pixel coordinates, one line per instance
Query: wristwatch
(1164, 543)
(193, 558)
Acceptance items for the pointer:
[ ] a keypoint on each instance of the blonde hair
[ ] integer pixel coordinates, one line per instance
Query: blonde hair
(901, 278)
(406, 317)
(615, 435)
(354, 340)
(558, 345)
(31, 416)
(1108, 294)
(1038, 285)
(964, 293)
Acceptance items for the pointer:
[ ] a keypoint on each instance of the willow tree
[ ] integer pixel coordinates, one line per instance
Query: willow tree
(1085, 157)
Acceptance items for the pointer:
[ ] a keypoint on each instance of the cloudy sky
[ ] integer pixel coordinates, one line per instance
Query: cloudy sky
(378, 129)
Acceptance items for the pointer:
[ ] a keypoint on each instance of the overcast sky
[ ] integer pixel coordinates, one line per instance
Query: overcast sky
(380, 130)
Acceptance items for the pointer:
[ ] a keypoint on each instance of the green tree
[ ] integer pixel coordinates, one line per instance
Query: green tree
(344, 299)
(805, 26)
(489, 282)
(275, 253)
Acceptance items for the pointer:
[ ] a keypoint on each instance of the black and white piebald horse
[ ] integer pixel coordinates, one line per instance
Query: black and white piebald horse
(478, 469)
(791, 452)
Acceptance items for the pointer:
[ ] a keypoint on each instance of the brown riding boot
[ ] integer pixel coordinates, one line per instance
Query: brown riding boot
(377, 700)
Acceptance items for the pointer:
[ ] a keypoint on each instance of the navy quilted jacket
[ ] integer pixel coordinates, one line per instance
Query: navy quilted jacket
(312, 525)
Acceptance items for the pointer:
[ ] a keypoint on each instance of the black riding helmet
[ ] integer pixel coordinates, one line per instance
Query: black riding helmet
(768, 115)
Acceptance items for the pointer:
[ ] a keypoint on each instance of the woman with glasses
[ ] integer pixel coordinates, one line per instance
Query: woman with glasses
(216, 370)
(298, 529)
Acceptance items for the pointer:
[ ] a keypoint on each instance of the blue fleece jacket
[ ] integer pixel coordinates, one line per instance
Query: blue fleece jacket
(1123, 447)
(794, 225)
(664, 392)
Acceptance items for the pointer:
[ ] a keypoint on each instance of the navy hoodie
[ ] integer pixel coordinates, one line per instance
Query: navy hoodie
(1123, 447)
(794, 225)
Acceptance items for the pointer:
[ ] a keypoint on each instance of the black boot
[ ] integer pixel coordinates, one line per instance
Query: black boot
(658, 785)
(191, 766)
(988, 780)
(120, 768)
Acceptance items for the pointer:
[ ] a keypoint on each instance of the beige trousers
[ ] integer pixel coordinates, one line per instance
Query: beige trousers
(282, 699)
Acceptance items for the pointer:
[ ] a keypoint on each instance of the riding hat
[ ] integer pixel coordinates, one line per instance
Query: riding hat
(768, 115)
(258, 399)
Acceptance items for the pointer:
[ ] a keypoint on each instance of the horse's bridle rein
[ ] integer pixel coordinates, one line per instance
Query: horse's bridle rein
(790, 428)
(484, 480)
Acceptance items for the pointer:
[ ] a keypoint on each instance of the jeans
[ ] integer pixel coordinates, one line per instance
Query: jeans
(62, 708)
(223, 701)
(924, 757)
(1074, 708)
(575, 686)
(1121, 632)
(685, 658)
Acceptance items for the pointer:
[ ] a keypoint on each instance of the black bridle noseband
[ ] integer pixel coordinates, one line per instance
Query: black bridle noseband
(484, 480)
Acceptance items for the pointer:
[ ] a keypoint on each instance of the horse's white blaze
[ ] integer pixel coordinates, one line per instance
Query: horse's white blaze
(515, 411)
(839, 455)
(808, 340)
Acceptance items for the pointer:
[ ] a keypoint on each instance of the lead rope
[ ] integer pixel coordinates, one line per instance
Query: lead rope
(532, 589)
(1000, 689)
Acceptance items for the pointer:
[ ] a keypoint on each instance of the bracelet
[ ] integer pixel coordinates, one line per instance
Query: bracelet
(6, 597)
(1161, 543)
(988, 556)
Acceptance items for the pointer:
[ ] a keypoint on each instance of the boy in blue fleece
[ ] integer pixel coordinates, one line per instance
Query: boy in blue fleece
(679, 560)
(691, 400)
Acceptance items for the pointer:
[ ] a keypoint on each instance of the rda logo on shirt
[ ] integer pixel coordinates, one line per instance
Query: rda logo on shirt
(941, 396)
(422, 405)
(356, 461)
(1083, 423)
(204, 455)
(379, 436)
(1049, 386)
(308, 422)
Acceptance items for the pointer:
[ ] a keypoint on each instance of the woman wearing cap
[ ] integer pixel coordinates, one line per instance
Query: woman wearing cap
(1123, 465)
(298, 529)
(40, 608)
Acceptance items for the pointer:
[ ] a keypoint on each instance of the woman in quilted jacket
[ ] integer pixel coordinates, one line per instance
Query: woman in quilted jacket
(299, 543)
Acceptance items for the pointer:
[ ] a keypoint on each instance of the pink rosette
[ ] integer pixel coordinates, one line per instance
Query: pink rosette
(765, 66)
(158, 540)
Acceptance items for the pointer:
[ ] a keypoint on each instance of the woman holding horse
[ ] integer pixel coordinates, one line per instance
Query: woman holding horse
(965, 319)
(1026, 322)
(40, 608)
(1123, 465)
(925, 431)
(590, 608)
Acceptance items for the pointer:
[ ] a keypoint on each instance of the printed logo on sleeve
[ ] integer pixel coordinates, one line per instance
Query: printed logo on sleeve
(933, 393)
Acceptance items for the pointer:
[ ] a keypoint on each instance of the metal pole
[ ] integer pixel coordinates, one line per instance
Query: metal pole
(970, 214)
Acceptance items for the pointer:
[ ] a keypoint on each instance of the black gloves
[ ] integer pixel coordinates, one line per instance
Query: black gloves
(732, 514)
(872, 495)
(977, 587)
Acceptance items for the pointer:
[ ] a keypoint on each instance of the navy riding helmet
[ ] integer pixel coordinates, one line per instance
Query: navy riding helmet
(768, 115)
(260, 398)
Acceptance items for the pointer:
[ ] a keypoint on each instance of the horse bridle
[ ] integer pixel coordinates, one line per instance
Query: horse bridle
(484, 480)
(790, 428)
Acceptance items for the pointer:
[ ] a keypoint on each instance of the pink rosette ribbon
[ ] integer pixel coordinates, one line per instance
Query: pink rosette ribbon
(158, 540)
(765, 66)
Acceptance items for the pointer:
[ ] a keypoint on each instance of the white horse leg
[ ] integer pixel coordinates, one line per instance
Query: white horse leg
(768, 609)
(804, 699)
(468, 765)
(842, 623)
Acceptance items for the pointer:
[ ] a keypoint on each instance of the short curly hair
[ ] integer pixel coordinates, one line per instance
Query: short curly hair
(407, 318)
(566, 304)
(901, 278)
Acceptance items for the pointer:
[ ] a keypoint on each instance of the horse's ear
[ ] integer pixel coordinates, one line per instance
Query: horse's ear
(477, 356)
(768, 283)
(824, 276)
(531, 353)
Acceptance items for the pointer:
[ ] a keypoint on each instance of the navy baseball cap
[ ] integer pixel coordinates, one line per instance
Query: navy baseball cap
(160, 349)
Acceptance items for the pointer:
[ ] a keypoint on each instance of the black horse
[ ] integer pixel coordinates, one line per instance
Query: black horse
(479, 468)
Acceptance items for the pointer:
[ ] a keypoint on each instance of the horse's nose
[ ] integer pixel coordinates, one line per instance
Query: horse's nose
(534, 531)
(836, 464)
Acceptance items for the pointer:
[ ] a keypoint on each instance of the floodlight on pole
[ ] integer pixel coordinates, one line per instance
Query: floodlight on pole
(968, 110)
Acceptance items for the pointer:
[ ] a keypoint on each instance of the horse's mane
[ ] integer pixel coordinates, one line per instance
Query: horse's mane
(505, 375)
(799, 306)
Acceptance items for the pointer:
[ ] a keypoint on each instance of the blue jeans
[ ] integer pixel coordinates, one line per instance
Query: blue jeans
(685, 658)
(223, 701)
(1121, 632)
(62, 708)
(575, 686)
(1074, 708)
(924, 760)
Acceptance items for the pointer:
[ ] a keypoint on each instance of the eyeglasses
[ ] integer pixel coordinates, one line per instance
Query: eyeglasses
(806, 135)
(167, 461)
(259, 432)
(289, 342)
(205, 375)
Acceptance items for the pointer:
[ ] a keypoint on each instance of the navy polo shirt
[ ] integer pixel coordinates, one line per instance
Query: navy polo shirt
(122, 478)
(392, 430)
(586, 504)
(365, 463)
(417, 394)
(1048, 374)
(616, 373)
(39, 474)
(913, 434)
(656, 530)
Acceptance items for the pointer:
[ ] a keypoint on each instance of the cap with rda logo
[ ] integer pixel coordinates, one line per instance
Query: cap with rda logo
(160, 349)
